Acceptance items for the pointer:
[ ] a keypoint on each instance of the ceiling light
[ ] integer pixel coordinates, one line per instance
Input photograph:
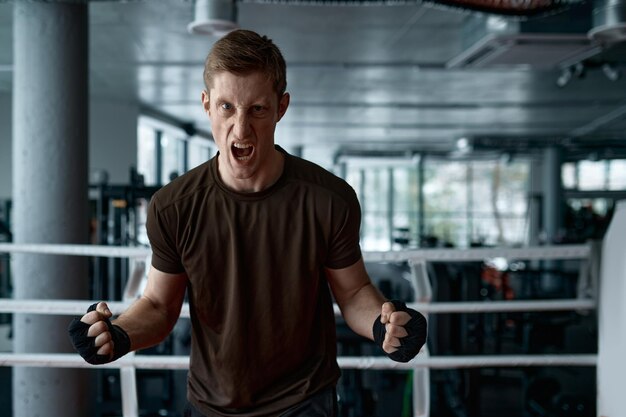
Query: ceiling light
(214, 17)
(611, 72)
(463, 145)
(564, 78)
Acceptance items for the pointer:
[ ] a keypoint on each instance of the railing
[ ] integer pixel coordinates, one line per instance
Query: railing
(417, 259)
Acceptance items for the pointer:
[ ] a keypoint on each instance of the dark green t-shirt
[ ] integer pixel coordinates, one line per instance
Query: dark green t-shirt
(263, 325)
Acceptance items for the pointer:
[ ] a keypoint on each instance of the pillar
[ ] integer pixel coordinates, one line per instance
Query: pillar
(50, 170)
(552, 215)
(612, 318)
(421, 204)
(534, 201)
(553, 205)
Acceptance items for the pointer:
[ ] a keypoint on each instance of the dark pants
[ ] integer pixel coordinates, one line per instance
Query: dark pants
(322, 404)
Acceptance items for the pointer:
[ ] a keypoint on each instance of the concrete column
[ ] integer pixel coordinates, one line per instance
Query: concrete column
(612, 318)
(553, 205)
(158, 158)
(5, 146)
(50, 148)
(390, 206)
(534, 202)
(421, 204)
(553, 211)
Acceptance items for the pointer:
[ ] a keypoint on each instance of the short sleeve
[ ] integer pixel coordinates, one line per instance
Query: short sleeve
(344, 249)
(165, 257)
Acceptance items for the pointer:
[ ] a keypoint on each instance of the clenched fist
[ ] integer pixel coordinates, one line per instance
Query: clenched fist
(400, 331)
(96, 339)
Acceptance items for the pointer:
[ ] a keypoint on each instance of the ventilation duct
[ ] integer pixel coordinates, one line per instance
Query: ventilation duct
(609, 22)
(213, 17)
(550, 42)
(521, 8)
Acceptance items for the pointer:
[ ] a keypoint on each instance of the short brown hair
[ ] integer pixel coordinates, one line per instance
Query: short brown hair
(242, 52)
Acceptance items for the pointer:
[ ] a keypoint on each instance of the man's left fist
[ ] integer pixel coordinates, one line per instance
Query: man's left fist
(400, 331)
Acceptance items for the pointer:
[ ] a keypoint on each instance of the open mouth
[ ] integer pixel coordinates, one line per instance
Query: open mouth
(242, 151)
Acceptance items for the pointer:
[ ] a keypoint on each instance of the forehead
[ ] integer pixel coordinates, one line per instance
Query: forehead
(242, 87)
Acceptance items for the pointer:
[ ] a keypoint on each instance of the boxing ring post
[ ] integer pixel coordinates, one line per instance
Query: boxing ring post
(417, 259)
(421, 376)
(128, 376)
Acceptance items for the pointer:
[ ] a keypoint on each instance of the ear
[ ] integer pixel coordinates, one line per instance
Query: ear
(282, 105)
(206, 104)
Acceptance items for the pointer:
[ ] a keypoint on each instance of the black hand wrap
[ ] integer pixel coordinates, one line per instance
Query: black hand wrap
(85, 345)
(411, 344)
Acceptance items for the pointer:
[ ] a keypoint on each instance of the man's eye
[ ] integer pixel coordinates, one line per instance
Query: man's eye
(258, 109)
(226, 106)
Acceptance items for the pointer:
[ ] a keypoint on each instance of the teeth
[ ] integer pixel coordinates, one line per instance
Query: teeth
(244, 151)
(242, 145)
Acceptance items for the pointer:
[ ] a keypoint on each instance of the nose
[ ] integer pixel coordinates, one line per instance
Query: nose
(241, 127)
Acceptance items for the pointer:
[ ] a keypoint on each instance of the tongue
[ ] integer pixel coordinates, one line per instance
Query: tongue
(239, 152)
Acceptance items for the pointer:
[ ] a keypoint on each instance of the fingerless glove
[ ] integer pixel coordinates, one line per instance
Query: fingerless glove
(411, 344)
(85, 345)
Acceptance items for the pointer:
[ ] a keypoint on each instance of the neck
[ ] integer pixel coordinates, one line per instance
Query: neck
(259, 182)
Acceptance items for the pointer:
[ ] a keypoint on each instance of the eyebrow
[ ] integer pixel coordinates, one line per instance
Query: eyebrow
(258, 102)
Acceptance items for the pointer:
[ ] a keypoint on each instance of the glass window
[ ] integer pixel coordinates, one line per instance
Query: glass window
(354, 178)
(592, 175)
(174, 159)
(568, 175)
(375, 202)
(445, 201)
(465, 202)
(405, 206)
(486, 224)
(512, 201)
(173, 164)
(617, 175)
(199, 152)
(146, 140)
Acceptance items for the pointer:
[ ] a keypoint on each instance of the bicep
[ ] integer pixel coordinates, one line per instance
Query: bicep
(346, 282)
(360, 302)
(166, 291)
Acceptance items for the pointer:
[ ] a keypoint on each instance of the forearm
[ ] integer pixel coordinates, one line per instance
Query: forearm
(361, 304)
(361, 309)
(146, 323)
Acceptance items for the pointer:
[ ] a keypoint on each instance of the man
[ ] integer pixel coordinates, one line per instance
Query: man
(257, 237)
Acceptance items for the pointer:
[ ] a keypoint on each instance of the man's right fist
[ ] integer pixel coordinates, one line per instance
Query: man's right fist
(96, 339)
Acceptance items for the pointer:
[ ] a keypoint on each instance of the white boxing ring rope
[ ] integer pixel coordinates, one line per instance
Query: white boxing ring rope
(432, 255)
(416, 258)
(79, 250)
(71, 360)
(78, 307)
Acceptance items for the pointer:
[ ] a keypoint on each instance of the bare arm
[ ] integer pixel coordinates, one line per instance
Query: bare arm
(360, 302)
(152, 317)
(149, 319)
